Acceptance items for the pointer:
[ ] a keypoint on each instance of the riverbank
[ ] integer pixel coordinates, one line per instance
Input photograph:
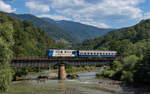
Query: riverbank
(71, 70)
(85, 70)
(119, 87)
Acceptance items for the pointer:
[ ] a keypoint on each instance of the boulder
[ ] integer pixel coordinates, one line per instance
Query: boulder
(72, 76)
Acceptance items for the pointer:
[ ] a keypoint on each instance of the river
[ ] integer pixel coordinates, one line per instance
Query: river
(86, 84)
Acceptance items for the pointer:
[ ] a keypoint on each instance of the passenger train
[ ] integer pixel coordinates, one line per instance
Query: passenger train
(79, 53)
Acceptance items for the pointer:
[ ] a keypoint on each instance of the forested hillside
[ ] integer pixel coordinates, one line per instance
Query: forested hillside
(80, 31)
(52, 30)
(28, 39)
(132, 40)
(133, 44)
(68, 31)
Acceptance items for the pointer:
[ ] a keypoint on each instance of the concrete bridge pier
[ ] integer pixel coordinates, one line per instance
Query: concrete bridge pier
(62, 72)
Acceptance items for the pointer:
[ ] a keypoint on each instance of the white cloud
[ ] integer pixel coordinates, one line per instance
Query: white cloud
(97, 12)
(6, 7)
(103, 7)
(35, 6)
(100, 25)
(147, 15)
(55, 17)
(59, 17)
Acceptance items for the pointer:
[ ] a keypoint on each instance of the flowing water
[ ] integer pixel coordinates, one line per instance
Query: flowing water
(86, 84)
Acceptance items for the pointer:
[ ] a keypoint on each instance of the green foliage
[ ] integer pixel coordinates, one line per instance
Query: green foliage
(142, 75)
(70, 69)
(129, 68)
(6, 42)
(124, 70)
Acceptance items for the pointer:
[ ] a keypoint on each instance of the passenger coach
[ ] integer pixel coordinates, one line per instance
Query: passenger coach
(80, 53)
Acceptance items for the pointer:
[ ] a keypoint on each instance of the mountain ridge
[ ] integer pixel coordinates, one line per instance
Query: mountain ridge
(72, 32)
(53, 31)
(79, 29)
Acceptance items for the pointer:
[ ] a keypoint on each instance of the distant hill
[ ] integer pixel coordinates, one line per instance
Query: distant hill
(72, 32)
(52, 30)
(80, 31)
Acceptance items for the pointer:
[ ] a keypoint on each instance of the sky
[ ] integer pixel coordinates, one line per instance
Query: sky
(99, 13)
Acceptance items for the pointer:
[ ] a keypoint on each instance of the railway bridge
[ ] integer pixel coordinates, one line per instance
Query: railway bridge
(22, 62)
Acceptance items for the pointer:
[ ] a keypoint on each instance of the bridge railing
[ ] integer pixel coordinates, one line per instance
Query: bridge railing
(67, 58)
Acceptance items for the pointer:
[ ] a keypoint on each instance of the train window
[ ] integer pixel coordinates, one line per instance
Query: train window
(61, 52)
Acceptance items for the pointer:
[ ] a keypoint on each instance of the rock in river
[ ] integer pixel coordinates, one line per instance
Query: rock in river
(72, 76)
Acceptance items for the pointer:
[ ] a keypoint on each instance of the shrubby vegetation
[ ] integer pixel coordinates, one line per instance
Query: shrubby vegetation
(124, 70)
(133, 45)
(71, 69)
(6, 42)
(132, 70)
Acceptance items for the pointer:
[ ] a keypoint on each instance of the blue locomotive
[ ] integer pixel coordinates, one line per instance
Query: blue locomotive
(79, 53)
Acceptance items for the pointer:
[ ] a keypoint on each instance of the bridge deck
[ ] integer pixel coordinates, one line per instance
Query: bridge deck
(75, 61)
(66, 58)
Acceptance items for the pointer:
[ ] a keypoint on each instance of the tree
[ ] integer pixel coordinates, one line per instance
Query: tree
(129, 64)
(6, 42)
(142, 74)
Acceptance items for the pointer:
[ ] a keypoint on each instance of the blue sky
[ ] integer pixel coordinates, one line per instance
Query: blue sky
(100, 13)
